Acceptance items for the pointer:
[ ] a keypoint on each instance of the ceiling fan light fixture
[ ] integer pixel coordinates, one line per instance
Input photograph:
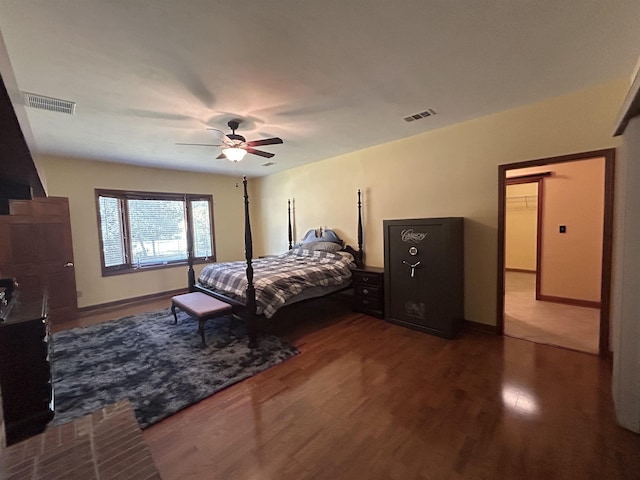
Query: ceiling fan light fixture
(234, 154)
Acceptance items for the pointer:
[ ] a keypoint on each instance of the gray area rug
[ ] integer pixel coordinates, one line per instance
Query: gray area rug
(160, 367)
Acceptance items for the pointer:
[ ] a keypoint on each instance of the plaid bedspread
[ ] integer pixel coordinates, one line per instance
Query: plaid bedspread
(277, 279)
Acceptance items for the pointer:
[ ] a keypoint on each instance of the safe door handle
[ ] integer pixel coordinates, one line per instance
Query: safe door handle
(412, 267)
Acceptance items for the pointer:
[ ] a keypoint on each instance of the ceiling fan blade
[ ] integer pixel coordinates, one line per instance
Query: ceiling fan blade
(226, 140)
(201, 144)
(266, 141)
(222, 155)
(259, 152)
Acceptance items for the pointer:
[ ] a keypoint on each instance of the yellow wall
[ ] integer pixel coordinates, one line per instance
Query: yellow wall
(77, 179)
(446, 172)
(571, 262)
(521, 225)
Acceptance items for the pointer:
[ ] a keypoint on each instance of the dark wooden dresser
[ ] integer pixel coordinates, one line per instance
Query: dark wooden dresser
(368, 291)
(424, 274)
(25, 373)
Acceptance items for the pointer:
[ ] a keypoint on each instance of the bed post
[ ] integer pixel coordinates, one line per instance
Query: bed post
(290, 231)
(360, 253)
(191, 274)
(251, 291)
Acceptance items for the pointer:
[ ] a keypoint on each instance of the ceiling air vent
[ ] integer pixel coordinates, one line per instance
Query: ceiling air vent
(49, 103)
(418, 116)
(268, 164)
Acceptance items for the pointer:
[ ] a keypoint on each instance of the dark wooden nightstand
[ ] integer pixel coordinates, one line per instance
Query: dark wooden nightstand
(368, 291)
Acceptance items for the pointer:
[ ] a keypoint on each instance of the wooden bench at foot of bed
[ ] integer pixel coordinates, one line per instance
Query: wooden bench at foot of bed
(201, 306)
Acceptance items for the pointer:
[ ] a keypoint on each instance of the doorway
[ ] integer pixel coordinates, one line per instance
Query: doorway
(38, 236)
(554, 262)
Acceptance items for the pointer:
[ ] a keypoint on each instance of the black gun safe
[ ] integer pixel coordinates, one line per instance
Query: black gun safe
(424, 274)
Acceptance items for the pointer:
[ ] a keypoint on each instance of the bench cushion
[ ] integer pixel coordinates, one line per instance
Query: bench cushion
(200, 304)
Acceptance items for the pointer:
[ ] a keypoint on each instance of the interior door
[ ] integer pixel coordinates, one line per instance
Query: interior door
(37, 250)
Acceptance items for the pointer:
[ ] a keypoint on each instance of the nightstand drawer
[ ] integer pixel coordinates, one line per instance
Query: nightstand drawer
(367, 304)
(367, 291)
(368, 287)
(368, 278)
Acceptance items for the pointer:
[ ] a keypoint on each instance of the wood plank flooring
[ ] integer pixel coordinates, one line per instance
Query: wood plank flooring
(369, 400)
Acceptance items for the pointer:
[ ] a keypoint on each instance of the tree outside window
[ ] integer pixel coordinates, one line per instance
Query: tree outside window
(142, 230)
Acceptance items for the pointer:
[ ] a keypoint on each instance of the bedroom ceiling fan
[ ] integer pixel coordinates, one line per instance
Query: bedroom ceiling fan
(235, 146)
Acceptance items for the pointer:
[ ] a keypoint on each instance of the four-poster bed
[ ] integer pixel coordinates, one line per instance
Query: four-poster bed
(317, 266)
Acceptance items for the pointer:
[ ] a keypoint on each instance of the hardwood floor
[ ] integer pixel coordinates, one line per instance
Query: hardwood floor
(370, 400)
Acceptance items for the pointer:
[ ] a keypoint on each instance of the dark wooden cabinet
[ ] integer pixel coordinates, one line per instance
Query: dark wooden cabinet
(424, 274)
(368, 291)
(25, 373)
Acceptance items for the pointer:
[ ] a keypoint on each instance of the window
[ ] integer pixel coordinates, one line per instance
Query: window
(141, 230)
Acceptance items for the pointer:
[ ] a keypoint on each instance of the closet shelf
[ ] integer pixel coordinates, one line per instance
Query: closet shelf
(526, 201)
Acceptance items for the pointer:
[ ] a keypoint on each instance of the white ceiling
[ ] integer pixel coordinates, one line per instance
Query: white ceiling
(327, 76)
